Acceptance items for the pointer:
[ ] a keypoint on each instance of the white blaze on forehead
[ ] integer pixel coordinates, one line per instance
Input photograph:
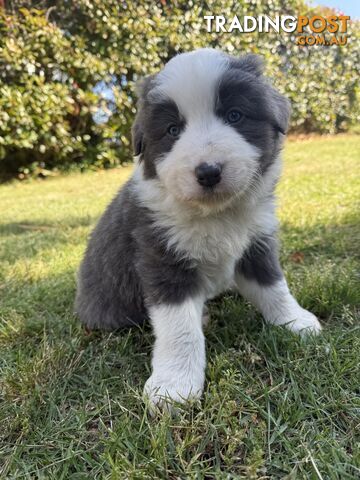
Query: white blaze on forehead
(191, 79)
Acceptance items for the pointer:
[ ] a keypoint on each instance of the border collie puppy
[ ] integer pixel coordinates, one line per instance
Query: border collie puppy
(196, 218)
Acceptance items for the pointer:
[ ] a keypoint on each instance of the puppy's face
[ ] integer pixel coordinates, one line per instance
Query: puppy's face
(209, 126)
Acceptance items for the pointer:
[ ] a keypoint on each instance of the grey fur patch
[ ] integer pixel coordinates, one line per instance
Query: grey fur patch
(126, 267)
(165, 276)
(260, 261)
(150, 130)
(265, 112)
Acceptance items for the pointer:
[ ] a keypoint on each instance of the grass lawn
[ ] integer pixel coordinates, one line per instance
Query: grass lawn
(274, 406)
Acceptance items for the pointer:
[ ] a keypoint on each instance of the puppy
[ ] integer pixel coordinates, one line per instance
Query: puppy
(196, 218)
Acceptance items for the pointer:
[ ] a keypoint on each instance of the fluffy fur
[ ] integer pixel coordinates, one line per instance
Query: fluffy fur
(171, 240)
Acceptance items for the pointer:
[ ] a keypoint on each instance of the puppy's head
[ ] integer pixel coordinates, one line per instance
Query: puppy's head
(209, 126)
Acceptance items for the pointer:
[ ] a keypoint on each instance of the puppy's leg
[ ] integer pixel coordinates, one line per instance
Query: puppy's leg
(178, 362)
(259, 278)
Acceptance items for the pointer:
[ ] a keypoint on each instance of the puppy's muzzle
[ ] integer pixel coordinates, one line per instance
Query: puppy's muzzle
(208, 175)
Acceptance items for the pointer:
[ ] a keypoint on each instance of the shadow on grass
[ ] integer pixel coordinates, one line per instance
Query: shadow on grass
(333, 240)
(44, 225)
(25, 240)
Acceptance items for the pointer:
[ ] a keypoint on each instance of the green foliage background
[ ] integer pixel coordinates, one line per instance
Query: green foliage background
(53, 54)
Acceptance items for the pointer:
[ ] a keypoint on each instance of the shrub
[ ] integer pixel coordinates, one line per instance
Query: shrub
(46, 98)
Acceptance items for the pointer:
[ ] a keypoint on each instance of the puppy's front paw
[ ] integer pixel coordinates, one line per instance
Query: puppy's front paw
(304, 323)
(162, 392)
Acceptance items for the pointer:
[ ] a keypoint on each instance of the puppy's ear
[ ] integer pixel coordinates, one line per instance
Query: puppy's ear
(142, 89)
(250, 63)
(137, 138)
(279, 109)
(144, 85)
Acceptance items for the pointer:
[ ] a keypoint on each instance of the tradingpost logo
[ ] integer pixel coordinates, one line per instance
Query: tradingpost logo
(314, 30)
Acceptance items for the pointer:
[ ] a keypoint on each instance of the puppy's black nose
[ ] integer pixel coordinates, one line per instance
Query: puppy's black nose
(208, 175)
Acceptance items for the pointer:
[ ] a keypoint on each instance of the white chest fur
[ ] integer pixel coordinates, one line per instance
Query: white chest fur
(215, 244)
(214, 241)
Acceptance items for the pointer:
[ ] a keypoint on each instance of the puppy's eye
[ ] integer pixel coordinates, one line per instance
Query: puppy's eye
(173, 130)
(234, 116)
